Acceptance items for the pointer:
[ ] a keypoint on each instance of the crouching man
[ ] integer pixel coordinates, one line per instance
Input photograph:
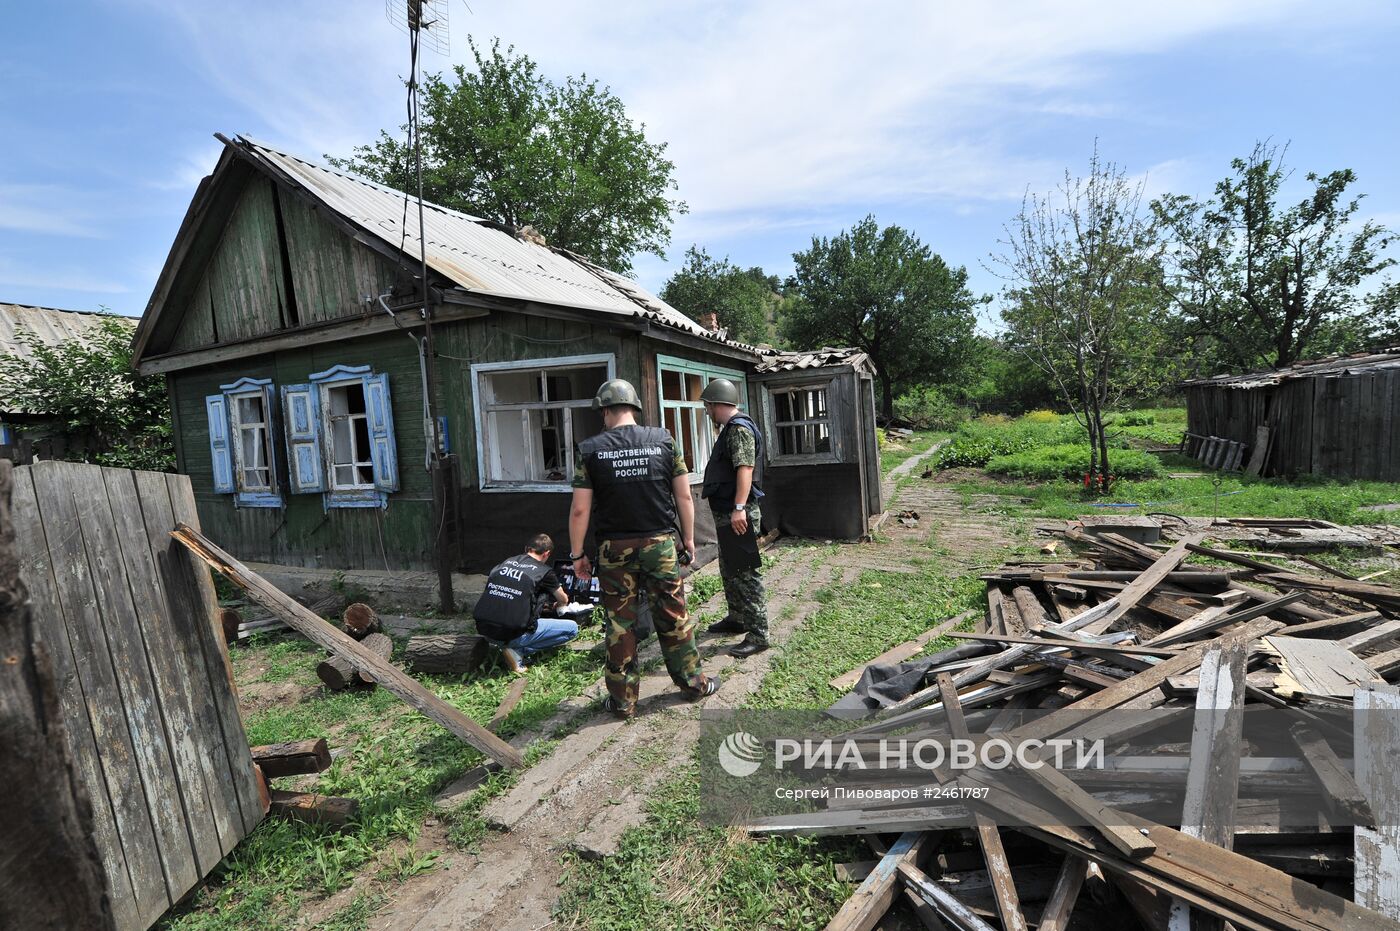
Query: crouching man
(516, 592)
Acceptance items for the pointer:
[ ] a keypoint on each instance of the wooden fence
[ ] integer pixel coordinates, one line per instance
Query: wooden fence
(127, 617)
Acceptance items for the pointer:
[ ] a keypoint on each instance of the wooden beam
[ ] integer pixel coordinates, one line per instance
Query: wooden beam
(998, 866)
(1055, 916)
(948, 906)
(1344, 796)
(1377, 849)
(1212, 782)
(507, 705)
(1083, 646)
(293, 759)
(868, 904)
(1150, 578)
(330, 638)
(314, 808)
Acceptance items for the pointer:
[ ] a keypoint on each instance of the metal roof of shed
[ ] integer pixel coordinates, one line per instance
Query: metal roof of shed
(789, 361)
(51, 325)
(478, 255)
(1329, 367)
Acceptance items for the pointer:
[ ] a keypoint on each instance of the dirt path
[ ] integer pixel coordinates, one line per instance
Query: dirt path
(595, 783)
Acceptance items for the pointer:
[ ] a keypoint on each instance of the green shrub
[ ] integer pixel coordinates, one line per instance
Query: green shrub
(986, 437)
(1071, 460)
(1041, 416)
(928, 408)
(1135, 419)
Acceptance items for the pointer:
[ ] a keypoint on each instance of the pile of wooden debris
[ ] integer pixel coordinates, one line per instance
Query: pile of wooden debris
(1122, 625)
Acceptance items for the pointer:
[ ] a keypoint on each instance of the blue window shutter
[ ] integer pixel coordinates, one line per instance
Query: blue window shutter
(381, 432)
(270, 416)
(305, 462)
(220, 454)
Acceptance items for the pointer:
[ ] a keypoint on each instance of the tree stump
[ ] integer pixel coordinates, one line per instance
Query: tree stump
(449, 654)
(360, 620)
(337, 672)
(229, 620)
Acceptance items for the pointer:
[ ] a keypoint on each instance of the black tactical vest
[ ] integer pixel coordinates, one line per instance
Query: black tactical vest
(721, 479)
(630, 470)
(508, 608)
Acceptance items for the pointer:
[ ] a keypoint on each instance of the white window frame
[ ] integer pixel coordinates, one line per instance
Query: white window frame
(236, 429)
(775, 426)
(482, 411)
(695, 410)
(328, 442)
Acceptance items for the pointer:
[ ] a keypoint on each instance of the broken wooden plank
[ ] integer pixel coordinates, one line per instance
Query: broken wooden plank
(1139, 587)
(947, 905)
(1029, 608)
(868, 904)
(1377, 849)
(998, 866)
(1318, 667)
(1055, 916)
(900, 653)
(295, 758)
(1343, 794)
(1070, 643)
(324, 635)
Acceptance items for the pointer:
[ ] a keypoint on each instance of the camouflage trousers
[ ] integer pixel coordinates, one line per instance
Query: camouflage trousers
(743, 588)
(627, 570)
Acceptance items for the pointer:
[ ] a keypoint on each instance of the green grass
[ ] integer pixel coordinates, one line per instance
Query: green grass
(398, 762)
(1235, 496)
(1071, 460)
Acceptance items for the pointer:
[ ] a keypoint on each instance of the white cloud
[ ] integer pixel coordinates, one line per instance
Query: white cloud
(45, 208)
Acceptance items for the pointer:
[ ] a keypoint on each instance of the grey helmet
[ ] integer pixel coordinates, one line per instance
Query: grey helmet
(616, 392)
(721, 391)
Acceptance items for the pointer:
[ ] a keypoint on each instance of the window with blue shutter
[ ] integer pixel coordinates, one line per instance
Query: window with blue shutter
(301, 413)
(241, 431)
(357, 436)
(216, 405)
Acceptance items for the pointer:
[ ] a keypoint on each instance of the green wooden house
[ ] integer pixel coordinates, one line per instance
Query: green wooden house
(288, 321)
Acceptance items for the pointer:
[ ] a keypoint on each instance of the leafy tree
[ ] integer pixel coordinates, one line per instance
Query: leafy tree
(1270, 283)
(745, 300)
(886, 293)
(1082, 303)
(505, 143)
(88, 387)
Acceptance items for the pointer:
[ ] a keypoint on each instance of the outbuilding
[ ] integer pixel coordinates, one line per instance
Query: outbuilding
(288, 322)
(1333, 417)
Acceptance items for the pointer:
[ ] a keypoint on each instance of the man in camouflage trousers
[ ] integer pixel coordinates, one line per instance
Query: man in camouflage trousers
(734, 486)
(632, 484)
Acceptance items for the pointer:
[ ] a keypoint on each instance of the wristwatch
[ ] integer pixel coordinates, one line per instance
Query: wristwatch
(575, 557)
(741, 507)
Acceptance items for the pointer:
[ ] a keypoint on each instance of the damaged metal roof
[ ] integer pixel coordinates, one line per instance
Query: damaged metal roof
(478, 255)
(1331, 366)
(51, 325)
(789, 361)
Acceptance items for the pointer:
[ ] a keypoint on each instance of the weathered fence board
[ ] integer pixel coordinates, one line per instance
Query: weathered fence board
(128, 616)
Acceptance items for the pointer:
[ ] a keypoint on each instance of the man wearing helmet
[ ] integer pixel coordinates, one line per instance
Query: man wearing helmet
(632, 484)
(734, 486)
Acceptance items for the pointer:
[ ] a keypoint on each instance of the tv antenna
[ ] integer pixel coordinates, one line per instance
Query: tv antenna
(425, 19)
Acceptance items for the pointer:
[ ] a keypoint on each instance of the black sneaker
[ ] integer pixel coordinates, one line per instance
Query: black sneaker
(748, 647)
(727, 626)
(616, 707)
(709, 687)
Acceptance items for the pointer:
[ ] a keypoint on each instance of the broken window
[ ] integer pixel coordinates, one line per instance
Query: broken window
(352, 462)
(532, 416)
(801, 420)
(682, 411)
(242, 456)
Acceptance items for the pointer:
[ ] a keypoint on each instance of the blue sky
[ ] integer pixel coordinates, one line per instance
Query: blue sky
(785, 120)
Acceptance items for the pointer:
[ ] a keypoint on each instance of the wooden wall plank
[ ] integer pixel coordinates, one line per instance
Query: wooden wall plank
(37, 569)
(121, 627)
(1377, 849)
(97, 679)
(200, 790)
(188, 575)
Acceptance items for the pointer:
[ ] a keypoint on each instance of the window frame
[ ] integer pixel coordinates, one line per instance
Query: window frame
(705, 433)
(262, 388)
(483, 410)
(775, 426)
(328, 444)
(360, 496)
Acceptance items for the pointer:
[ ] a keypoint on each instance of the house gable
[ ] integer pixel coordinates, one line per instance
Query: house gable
(277, 265)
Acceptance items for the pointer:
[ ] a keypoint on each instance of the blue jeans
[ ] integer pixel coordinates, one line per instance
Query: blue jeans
(548, 633)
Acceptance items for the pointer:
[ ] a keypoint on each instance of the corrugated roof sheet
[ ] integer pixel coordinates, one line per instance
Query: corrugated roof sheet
(815, 358)
(52, 325)
(1330, 366)
(476, 254)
